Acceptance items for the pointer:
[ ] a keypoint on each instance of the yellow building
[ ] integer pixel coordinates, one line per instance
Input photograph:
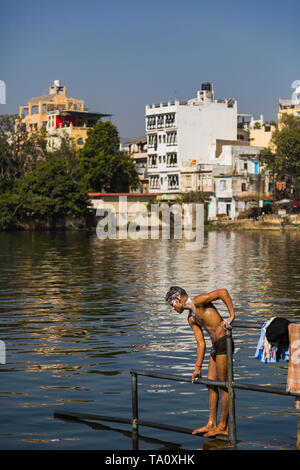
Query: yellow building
(35, 112)
(261, 137)
(291, 106)
(59, 116)
(288, 107)
(71, 124)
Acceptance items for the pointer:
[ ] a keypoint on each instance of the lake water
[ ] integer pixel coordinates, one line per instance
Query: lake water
(77, 313)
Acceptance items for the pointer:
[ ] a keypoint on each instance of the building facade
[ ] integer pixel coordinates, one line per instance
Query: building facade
(290, 106)
(240, 182)
(59, 116)
(180, 136)
(34, 114)
(71, 124)
(137, 149)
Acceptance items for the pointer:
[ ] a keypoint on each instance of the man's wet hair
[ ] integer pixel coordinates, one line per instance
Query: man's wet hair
(175, 291)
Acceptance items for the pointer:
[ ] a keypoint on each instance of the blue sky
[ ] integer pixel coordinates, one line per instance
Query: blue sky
(120, 55)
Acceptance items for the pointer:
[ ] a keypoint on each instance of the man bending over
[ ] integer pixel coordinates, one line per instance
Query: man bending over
(204, 315)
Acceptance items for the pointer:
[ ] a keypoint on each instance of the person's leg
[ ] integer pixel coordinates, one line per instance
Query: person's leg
(221, 373)
(213, 398)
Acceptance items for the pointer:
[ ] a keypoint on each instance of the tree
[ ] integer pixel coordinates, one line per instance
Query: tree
(47, 193)
(102, 164)
(286, 165)
(67, 151)
(192, 196)
(17, 150)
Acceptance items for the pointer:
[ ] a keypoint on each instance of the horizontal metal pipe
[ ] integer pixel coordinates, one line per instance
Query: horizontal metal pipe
(179, 378)
(245, 324)
(264, 389)
(253, 387)
(176, 429)
(150, 424)
(141, 422)
(69, 414)
(250, 324)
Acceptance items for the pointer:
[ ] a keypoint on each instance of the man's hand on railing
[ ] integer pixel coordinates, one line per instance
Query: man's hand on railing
(227, 323)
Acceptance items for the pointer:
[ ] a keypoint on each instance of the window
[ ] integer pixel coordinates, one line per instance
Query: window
(244, 187)
(170, 120)
(188, 181)
(160, 121)
(154, 182)
(171, 138)
(152, 140)
(173, 181)
(171, 159)
(152, 161)
(223, 185)
(80, 141)
(151, 122)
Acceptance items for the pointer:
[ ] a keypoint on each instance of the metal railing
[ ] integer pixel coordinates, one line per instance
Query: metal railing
(229, 384)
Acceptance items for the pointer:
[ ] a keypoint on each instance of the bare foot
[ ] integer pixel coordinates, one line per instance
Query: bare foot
(205, 428)
(216, 430)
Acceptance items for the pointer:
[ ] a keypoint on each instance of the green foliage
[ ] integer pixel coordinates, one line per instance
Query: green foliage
(49, 190)
(192, 196)
(286, 164)
(18, 150)
(102, 165)
(47, 193)
(104, 136)
(9, 205)
(37, 185)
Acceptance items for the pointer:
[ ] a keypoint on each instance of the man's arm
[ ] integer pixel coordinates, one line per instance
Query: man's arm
(222, 294)
(198, 333)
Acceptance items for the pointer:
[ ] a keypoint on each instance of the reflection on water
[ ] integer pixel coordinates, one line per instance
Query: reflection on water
(78, 313)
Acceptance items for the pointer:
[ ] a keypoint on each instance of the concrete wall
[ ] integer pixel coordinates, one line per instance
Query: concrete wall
(101, 200)
(200, 126)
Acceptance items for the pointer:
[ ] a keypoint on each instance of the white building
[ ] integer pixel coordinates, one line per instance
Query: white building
(239, 182)
(183, 134)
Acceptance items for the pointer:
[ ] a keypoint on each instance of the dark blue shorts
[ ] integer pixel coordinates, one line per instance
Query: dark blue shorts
(219, 347)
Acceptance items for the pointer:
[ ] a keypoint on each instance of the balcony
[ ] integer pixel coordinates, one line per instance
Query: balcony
(172, 165)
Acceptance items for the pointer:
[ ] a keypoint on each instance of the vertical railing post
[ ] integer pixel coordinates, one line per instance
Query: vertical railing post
(298, 433)
(231, 394)
(135, 414)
